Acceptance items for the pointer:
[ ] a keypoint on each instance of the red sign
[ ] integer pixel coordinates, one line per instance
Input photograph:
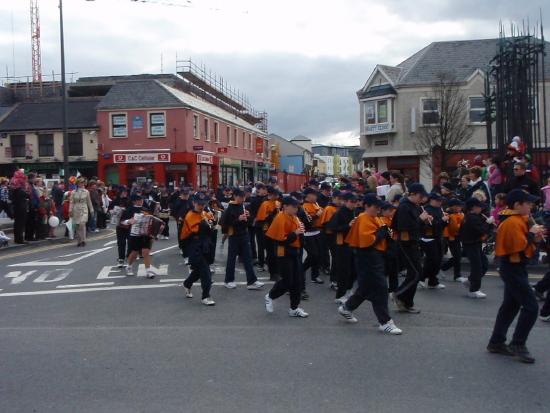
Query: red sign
(198, 148)
(141, 157)
(259, 145)
(222, 150)
(209, 159)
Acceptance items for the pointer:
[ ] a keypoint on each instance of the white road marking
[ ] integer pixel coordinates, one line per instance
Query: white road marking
(86, 285)
(45, 276)
(83, 290)
(109, 243)
(18, 277)
(105, 272)
(83, 255)
(172, 280)
(164, 249)
(240, 283)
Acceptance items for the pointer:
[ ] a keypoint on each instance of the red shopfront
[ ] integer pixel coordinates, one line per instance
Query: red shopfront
(179, 169)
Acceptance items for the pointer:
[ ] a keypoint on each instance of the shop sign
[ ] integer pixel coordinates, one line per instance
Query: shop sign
(141, 157)
(208, 159)
(181, 168)
(137, 122)
(247, 164)
(222, 150)
(259, 145)
(198, 148)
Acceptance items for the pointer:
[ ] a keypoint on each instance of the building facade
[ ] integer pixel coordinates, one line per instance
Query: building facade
(31, 138)
(397, 101)
(295, 156)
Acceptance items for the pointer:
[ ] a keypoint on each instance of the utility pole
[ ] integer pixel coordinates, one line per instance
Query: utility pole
(64, 101)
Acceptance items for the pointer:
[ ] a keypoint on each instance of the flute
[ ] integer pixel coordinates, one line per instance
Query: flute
(430, 219)
(532, 223)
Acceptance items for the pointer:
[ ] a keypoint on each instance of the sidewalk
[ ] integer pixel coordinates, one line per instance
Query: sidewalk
(6, 225)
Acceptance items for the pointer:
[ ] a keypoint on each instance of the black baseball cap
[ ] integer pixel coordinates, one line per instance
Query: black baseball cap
(371, 199)
(289, 200)
(298, 195)
(325, 185)
(417, 188)
(455, 202)
(308, 191)
(474, 202)
(387, 205)
(337, 194)
(313, 181)
(135, 197)
(349, 196)
(519, 195)
(434, 196)
(271, 190)
(260, 185)
(238, 192)
(201, 198)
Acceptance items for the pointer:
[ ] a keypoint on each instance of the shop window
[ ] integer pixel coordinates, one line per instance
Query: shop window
(75, 144)
(196, 127)
(206, 130)
(17, 144)
(228, 136)
(119, 125)
(430, 111)
(157, 124)
(216, 132)
(45, 144)
(477, 109)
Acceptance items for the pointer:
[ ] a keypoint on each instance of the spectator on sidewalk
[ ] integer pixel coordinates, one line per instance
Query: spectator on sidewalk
(520, 180)
(20, 200)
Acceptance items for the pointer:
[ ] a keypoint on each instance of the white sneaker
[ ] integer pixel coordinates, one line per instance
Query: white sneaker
(461, 280)
(436, 287)
(545, 319)
(257, 285)
(348, 315)
(422, 284)
(129, 271)
(150, 274)
(231, 285)
(208, 301)
(477, 294)
(441, 275)
(300, 313)
(268, 304)
(188, 293)
(341, 301)
(186, 261)
(390, 328)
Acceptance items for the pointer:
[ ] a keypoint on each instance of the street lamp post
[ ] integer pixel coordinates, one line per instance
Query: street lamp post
(64, 100)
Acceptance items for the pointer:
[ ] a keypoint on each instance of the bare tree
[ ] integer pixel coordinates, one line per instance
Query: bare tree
(446, 128)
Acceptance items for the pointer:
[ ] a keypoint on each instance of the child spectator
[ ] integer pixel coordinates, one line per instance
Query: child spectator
(500, 204)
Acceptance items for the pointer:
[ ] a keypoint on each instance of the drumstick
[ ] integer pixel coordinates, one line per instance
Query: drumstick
(533, 222)
(429, 218)
(485, 216)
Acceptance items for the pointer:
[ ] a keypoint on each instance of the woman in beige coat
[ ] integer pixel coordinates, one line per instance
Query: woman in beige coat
(79, 209)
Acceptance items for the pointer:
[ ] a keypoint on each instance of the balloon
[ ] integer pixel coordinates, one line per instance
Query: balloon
(53, 221)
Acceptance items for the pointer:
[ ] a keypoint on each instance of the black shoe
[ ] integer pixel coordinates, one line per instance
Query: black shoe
(317, 280)
(499, 348)
(521, 353)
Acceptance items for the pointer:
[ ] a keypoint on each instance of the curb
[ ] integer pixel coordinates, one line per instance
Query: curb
(54, 241)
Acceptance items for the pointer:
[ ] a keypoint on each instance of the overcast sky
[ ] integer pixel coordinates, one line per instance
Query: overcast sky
(300, 60)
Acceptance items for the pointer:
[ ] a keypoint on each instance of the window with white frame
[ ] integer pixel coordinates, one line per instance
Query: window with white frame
(196, 127)
(250, 141)
(228, 136)
(430, 111)
(235, 138)
(206, 130)
(157, 124)
(477, 109)
(370, 113)
(216, 132)
(245, 146)
(119, 125)
(378, 112)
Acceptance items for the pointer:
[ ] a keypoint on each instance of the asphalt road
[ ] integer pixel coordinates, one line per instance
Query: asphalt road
(76, 335)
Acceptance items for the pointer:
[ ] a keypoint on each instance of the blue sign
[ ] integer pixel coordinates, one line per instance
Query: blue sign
(137, 122)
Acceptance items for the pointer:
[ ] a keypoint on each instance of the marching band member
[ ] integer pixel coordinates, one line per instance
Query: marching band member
(390, 257)
(340, 224)
(285, 232)
(328, 235)
(368, 236)
(473, 232)
(266, 213)
(407, 223)
(515, 245)
(234, 223)
(451, 233)
(196, 231)
(431, 242)
(312, 236)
